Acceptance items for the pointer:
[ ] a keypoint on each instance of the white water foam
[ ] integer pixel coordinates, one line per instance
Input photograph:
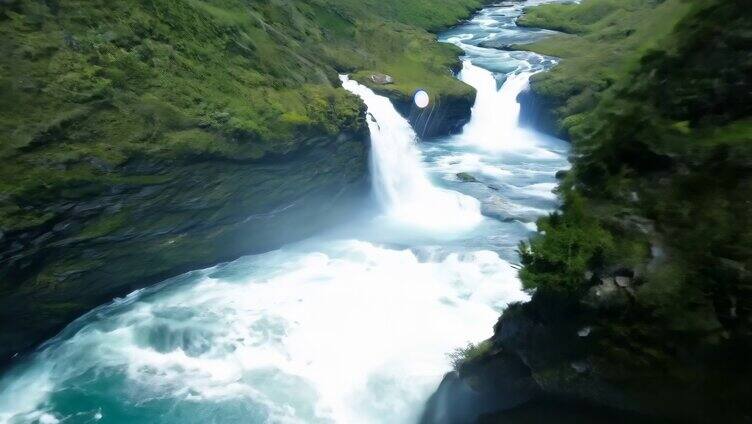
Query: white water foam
(494, 125)
(349, 333)
(495, 115)
(399, 177)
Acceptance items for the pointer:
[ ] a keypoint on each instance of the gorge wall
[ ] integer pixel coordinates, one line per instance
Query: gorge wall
(641, 282)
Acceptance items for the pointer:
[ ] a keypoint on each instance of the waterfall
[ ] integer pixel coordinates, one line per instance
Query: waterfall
(496, 113)
(400, 181)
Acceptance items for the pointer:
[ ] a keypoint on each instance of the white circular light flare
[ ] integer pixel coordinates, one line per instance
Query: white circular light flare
(421, 99)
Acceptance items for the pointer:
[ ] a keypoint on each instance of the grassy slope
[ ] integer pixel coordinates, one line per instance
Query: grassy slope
(603, 40)
(137, 137)
(670, 108)
(656, 97)
(87, 86)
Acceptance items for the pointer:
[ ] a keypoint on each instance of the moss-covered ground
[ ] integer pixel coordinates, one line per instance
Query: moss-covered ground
(86, 86)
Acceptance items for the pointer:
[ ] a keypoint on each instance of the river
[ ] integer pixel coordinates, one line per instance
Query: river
(352, 326)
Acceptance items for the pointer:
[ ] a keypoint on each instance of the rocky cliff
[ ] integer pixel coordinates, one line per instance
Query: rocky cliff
(129, 234)
(446, 114)
(449, 107)
(641, 306)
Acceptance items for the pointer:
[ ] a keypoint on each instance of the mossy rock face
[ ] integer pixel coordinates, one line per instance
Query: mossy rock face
(198, 214)
(450, 100)
(445, 115)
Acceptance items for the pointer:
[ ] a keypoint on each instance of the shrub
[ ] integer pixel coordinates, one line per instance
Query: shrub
(567, 246)
(469, 353)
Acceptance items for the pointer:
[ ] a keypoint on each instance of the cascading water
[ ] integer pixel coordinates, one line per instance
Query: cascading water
(342, 328)
(496, 113)
(495, 123)
(400, 181)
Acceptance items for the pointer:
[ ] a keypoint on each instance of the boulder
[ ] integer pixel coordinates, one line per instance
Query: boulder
(465, 396)
(466, 178)
(496, 44)
(607, 295)
(447, 113)
(381, 79)
(622, 281)
(495, 207)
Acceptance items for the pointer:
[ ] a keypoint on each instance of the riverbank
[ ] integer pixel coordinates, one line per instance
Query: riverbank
(641, 282)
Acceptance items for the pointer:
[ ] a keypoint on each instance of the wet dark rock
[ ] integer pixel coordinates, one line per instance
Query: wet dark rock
(537, 112)
(89, 208)
(561, 174)
(466, 178)
(496, 44)
(634, 223)
(465, 396)
(61, 226)
(558, 343)
(42, 238)
(444, 116)
(550, 409)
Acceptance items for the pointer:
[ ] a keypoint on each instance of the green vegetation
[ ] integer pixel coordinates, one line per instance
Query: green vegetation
(469, 353)
(664, 139)
(604, 41)
(88, 86)
(656, 97)
(572, 243)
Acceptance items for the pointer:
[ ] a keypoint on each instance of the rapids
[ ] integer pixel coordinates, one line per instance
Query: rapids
(352, 326)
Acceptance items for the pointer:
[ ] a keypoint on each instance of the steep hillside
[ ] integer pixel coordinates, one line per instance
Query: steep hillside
(642, 285)
(142, 138)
